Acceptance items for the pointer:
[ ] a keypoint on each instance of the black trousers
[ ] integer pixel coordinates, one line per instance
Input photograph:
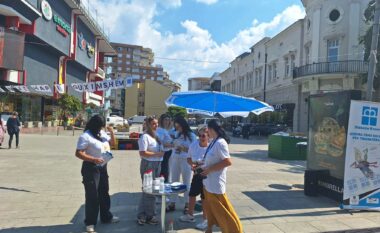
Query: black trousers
(95, 180)
(165, 165)
(11, 138)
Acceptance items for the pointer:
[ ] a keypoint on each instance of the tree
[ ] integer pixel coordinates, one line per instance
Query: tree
(69, 104)
(177, 111)
(366, 40)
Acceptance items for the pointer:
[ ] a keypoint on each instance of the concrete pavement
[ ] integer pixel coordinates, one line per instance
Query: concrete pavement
(41, 191)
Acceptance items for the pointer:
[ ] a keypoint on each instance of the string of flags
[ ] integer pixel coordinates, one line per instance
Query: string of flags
(79, 87)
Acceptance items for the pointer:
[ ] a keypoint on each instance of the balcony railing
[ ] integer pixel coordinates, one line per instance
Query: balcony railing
(352, 66)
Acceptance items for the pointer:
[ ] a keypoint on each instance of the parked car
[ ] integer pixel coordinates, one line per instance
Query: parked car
(268, 129)
(204, 121)
(136, 120)
(116, 121)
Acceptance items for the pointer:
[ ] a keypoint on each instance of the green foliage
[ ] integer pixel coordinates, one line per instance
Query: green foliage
(69, 104)
(177, 111)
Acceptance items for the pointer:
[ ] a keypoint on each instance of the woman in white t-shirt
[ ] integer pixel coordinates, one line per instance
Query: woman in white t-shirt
(219, 210)
(151, 154)
(166, 140)
(178, 160)
(93, 148)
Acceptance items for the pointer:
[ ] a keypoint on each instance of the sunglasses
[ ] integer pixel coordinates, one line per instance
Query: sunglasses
(203, 135)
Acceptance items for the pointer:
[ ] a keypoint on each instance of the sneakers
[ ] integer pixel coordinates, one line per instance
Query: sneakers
(115, 219)
(90, 229)
(152, 221)
(141, 221)
(187, 218)
(202, 225)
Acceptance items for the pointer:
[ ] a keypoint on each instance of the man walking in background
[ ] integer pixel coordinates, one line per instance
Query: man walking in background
(13, 127)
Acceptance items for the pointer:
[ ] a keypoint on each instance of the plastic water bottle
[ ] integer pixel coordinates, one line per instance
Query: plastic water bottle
(150, 180)
(162, 184)
(171, 227)
(145, 181)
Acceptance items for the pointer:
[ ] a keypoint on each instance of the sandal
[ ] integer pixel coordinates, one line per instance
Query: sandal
(170, 207)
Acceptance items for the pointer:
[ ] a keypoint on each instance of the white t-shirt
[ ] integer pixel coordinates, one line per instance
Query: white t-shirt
(216, 180)
(93, 146)
(181, 141)
(164, 137)
(196, 152)
(148, 143)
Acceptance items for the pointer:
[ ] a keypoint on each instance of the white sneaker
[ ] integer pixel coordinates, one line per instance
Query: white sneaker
(115, 219)
(187, 218)
(202, 225)
(90, 229)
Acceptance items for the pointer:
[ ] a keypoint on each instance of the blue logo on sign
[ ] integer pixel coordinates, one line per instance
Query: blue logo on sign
(369, 116)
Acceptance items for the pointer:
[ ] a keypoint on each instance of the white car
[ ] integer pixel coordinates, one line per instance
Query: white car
(137, 119)
(116, 121)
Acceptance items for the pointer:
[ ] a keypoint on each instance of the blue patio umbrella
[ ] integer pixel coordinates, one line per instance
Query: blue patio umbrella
(211, 103)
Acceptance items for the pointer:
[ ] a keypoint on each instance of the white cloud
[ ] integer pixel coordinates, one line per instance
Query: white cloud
(208, 2)
(170, 3)
(133, 22)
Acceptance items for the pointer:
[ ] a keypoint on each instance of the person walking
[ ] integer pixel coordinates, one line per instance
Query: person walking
(3, 131)
(164, 137)
(219, 210)
(13, 127)
(150, 150)
(195, 158)
(178, 160)
(93, 148)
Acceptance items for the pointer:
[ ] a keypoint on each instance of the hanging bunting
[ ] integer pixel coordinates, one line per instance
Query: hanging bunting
(22, 88)
(129, 82)
(77, 87)
(10, 89)
(2, 90)
(41, 88)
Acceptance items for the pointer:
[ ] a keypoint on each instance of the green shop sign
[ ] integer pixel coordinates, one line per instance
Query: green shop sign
(57, 20)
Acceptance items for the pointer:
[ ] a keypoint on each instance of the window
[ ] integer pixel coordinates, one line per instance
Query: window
(308, 24)
(118, 68)
(332, 50)
(127, 62)
(119, 61)
(260, 76)
(256, 78)
(120, 49)
(274, 71)
(119, 55)
(307, 54)
(128, 55)
(292, 62)
(269, 73)
(152, 71)
(334, 15)
(287, 67)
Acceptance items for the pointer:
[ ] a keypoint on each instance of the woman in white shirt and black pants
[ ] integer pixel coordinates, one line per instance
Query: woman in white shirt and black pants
(151, 154)
(91, 147)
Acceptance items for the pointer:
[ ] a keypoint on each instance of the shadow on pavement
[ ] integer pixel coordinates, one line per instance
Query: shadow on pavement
(295, 166)
(16, 190)
(289, 200)
(123, 205)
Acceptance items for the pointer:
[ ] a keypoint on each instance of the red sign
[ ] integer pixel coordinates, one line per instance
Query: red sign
(62, 31)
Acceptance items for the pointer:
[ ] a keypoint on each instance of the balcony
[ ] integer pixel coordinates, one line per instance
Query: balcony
(339, 67)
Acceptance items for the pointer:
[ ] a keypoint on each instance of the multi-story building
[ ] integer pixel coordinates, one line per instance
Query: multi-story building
(45, 43)
(198, 83)
(316, 54)
(137, 62)
(215, 82)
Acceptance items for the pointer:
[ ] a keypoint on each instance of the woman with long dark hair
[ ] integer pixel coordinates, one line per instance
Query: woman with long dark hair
(219, 210)
(94, 148)
(150, 149)
(164, 136)
(178, 160)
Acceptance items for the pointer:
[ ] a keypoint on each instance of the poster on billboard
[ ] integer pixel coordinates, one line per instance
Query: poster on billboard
(362, 166)
(328, 121)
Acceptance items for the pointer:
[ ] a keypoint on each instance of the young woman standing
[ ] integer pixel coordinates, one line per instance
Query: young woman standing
(91, 147)
(164, 137)
(151, 154)
(178, 161)
(219, 210)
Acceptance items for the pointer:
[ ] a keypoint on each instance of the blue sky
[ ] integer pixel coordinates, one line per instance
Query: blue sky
(196, 30)
(223, 19)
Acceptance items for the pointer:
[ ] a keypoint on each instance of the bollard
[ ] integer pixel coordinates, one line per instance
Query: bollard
(73, 130)
(41, 130)
(57, 130)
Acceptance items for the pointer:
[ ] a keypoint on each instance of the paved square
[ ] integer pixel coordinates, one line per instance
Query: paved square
(41, 192)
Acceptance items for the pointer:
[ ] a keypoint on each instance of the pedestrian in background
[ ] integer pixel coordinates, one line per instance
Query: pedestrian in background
(3, 131)
(13, 127)
(92, 146)
(178, 160)
(151, 157)
(195, 159)
(166, 140)
(219, 210)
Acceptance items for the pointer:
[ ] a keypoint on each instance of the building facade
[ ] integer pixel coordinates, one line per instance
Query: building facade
(216, 82)
(198, 83)
(316, 54)
(137, 62)
(48, 42)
